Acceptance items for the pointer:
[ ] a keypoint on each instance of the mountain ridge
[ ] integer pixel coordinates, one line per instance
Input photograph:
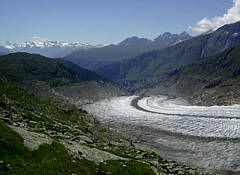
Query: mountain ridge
(134, 41)
(157, 65)
(55, 77)
(171, 39)
(95, 58)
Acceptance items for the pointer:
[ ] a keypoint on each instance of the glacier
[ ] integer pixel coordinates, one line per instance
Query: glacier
(203, 136)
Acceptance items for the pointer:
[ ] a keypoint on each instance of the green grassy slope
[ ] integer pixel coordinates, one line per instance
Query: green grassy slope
(54, 159)
(19, 107)
(23, 66)
(54, 77)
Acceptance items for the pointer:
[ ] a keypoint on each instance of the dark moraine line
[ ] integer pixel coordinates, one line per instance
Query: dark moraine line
(134, 103)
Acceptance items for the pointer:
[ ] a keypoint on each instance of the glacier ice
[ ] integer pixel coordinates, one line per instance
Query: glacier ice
(207, 137)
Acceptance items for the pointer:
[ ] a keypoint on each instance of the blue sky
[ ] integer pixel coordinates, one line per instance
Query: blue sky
(102, 21)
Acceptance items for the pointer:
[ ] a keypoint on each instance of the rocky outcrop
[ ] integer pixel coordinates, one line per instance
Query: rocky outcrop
(32, 140)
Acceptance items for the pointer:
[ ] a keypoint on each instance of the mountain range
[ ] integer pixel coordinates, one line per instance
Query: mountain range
(154, 66)
(96, 58)
(48, 48)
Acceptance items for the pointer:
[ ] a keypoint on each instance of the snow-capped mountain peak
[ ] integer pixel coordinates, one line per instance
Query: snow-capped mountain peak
(47, 47)
(41, 42)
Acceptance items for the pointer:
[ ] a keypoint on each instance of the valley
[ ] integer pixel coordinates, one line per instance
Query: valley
(149, 104)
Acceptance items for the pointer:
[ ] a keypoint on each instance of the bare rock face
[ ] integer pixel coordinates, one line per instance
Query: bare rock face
(32, 140)
(92, 154)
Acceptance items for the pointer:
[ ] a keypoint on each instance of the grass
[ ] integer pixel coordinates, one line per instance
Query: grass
(20, 67)
(54, 159)
(126, 168)
(47, 108)
(17, 159)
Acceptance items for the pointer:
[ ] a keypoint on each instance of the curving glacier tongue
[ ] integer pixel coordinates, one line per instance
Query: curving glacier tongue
(172, 116)
(178, 106)
(208, 137)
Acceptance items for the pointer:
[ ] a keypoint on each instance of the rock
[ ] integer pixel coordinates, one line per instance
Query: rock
(91, 154)
(124, 165)
(32, 140)
(106, 147)
(86, 139)
(7, 120)
(15, 124)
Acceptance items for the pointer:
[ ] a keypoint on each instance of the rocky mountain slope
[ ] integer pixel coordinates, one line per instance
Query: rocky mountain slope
(154, 66)
(167, 39)
(98, 57)
(134, 41)
(209, 81)
(55, 77)
(48, 48)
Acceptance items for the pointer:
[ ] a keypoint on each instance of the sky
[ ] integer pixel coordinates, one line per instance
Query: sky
(110, 21)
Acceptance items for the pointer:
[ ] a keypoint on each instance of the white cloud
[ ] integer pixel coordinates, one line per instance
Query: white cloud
(232, 15)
